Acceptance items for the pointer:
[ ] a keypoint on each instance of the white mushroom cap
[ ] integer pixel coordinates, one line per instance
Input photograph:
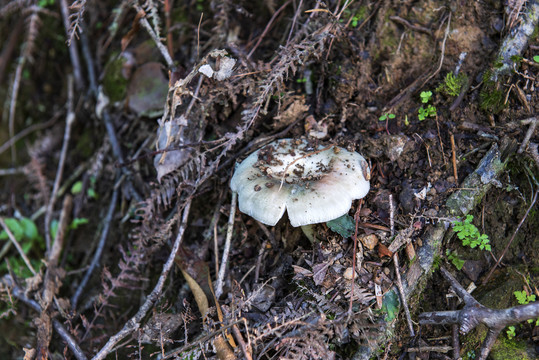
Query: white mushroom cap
(318, 186)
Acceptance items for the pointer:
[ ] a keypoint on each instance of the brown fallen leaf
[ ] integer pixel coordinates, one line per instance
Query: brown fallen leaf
(384, 251)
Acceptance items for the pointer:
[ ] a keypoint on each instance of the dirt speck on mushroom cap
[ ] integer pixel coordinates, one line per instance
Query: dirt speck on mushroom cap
(313, 183)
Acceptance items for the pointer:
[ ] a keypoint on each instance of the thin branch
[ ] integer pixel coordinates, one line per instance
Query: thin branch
(474, 313)
(533, 124)
(28, 130)
(51, 282)
(57, 325)
(70, 119)
(13, 171)
(73, 54)
(13, 104)
(98, 251)
(134, 323)
(162, 48)
(403, 296)
(268, 26)
(409, 25)
(226, 250)
(454, 158)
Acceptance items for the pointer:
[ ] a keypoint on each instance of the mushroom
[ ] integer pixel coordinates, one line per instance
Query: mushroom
(313, 183)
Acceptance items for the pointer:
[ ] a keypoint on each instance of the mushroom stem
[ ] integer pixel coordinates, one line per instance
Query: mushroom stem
(308, 230)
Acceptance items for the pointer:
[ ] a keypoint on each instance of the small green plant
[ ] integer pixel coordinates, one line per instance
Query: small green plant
(425, 96)
(524, 298)
(429, 110)
(355, 21)
(536, 58)
(90, 192)
(470, 235)
(386, 116)
(25, 231)
(74, 225)
(455, 259)
(45, 3)
(510, 332)
(423, 113)
(452, 84)
(470, 355)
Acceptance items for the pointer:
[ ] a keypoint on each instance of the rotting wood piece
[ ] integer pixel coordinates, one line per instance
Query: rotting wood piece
(474, 313)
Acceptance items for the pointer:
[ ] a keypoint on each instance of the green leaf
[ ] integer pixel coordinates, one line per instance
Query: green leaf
(536, 58)
(455, 260)
(390, 305)
(343, 226)
(54, 228)
(15, 227)
(510, 332)
(521, 297)
(29, 228)
(76, 188)
(425, 96)
(91, 193)
(78, 222)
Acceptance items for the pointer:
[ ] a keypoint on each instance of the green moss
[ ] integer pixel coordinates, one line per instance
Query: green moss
(114, 83)
(491, 98)
(452, 84)
(505, 349)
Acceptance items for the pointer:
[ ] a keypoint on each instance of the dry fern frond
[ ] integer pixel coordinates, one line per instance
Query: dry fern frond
(310, 346)
(79, 6)
(151, 9)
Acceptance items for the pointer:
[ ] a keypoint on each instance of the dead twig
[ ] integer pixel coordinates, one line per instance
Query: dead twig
(533, 124)
(13, 171)
(134, 323)
(409, 25)
(245, 348)
(403, 296)
(70, 119)
(356, 221)
(454, 158)
(57, 325)
(28, 130)
(98, 251)
(73, 54)
(268, 26)
(52, 280)
(296, 14)
(226, 250)
(474, 313)
(162, 48)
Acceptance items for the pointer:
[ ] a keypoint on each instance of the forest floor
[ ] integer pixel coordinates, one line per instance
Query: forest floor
(112, 247)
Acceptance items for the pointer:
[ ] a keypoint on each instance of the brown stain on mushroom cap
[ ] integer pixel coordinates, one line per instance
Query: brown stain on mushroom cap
(315, 183)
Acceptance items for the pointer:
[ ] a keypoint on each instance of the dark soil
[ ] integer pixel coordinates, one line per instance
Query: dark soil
(352, 77)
